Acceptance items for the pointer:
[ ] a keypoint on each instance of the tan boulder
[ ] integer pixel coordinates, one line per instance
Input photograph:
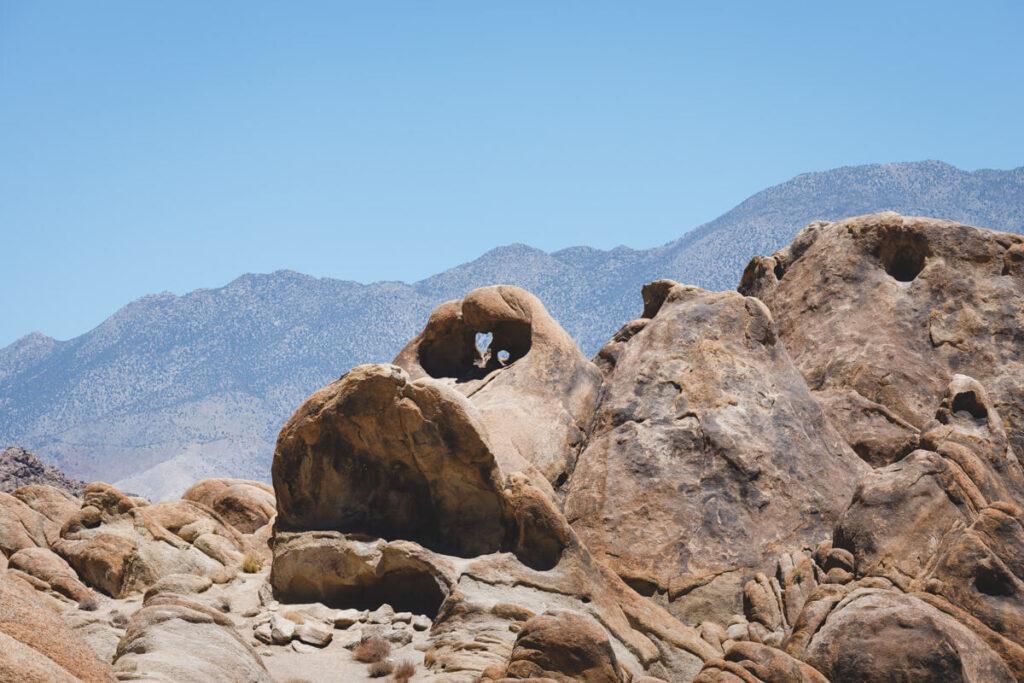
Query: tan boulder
(245, 505)
(376, 453)
(47, 566)
(57, 505)
(564, 646)
(23, 527)
(885, 635)
(119, 546)
(880, 311)
(533, 388)
(175, 637)
(709, 454)
(36, 643)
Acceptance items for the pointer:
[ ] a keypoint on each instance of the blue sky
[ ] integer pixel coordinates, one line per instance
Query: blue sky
(150, 146)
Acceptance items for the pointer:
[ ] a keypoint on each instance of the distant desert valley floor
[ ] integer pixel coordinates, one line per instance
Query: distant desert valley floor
(812, 475)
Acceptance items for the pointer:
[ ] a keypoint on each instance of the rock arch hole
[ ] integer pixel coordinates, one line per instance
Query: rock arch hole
(483, 342)
(467, 355)
(966, 403)
(904, 255)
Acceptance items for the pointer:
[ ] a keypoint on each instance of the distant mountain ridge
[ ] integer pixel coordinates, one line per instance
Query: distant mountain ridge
(171, 389)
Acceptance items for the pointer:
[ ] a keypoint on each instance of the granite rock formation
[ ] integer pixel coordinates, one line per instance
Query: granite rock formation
(879, 312)
(20, 468)
(781, 485)
(709, 453)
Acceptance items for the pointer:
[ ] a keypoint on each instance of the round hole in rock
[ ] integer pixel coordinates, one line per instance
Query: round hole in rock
(991, 581)
(966, 403)
(503, 356)
(903, 256)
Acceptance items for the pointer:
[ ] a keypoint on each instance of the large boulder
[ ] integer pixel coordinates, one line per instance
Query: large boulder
(118, 545)
(245, 505)
(56, 504)
(390, 488)
(36, 646)
(564, 646)
(709, 454)
(380, 454)
(46, 566)
(23, 527)
(884, 635)
(178, 637)
(880, 311)
(532, 387)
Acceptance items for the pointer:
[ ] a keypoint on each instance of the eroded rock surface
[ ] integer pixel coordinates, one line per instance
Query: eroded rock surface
(709, 454)
(383, 481)
(118, 545)
(178, 637)
(19, 467)
(245, 505)
(880, 311)
(532, 387)
(36, 645)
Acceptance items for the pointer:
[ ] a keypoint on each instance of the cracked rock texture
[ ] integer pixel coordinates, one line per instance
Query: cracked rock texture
(879, 312)
(709, 453)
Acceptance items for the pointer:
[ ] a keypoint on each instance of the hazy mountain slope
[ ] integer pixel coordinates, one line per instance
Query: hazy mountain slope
(170, 389)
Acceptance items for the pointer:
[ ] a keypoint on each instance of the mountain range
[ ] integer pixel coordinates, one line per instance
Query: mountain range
(171, 389)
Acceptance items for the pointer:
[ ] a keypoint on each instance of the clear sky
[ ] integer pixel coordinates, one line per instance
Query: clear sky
(151, 146)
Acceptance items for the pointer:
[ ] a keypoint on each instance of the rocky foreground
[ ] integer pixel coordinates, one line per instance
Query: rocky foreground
(814, 479)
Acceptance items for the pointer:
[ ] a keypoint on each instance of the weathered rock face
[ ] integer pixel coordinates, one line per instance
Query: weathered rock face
(564, 646)
(879, 312)
(534, 390)
(118, 545)
(378, 454)
(36, 645)
(948, 522)
(177, 637)
(709, 455)
(387, 485)
(884, 635)
(245, 505)
(57, 505)
(748, 662)
(923, 580)
(19, 467)
(23, 527)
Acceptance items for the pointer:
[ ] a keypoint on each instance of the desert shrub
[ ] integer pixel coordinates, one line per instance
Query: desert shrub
(381, 668)
(372, 649)
(90, 604)
(251, 563)
(404, 671)
(118, 619)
